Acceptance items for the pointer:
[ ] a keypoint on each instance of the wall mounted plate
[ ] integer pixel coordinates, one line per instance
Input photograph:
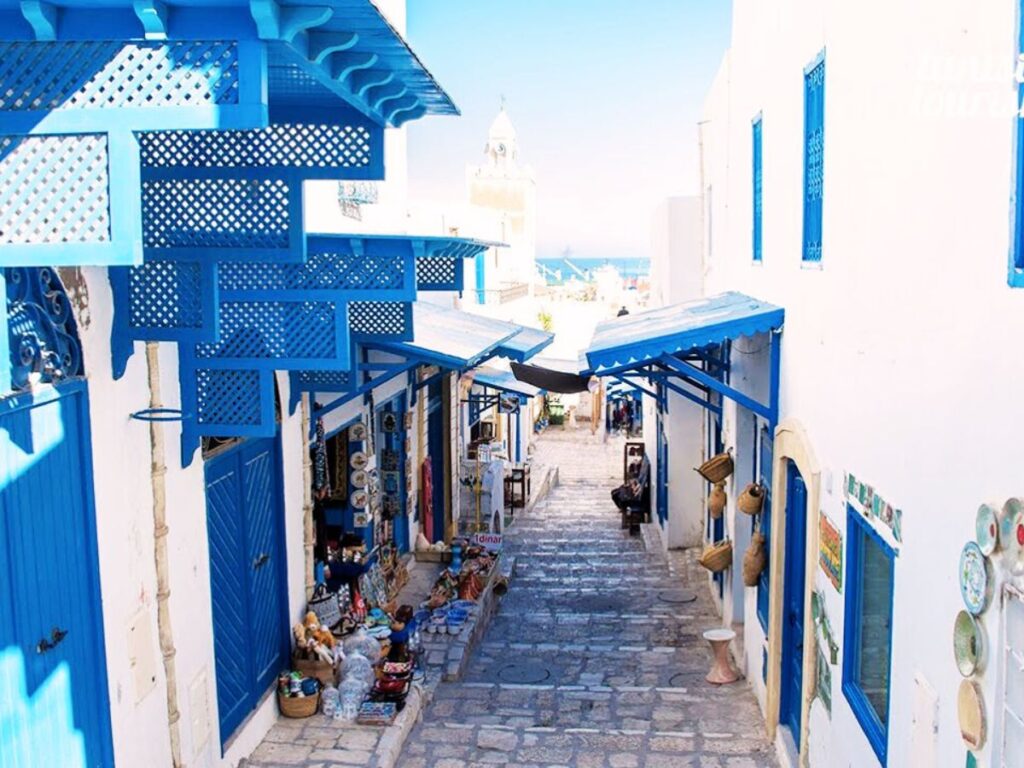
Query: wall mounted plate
(357, 460)
(358, 499)
(986, 528)
(1011, 534)
(359, 478)
(968, 644)
(975, 578)
(970, 709)
(357, 431)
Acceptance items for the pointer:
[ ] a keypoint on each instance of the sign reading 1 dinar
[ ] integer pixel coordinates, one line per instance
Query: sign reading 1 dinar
(489, 541)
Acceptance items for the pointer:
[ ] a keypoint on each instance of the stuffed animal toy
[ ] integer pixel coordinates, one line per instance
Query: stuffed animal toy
(323, 636)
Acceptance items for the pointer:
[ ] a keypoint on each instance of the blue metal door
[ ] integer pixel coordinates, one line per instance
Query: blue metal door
(435, 449)
(245, 524)
(393, 444)
(53, 678)
(793, 602)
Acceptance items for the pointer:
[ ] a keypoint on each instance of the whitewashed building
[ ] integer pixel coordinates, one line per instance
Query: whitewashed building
(861, 169)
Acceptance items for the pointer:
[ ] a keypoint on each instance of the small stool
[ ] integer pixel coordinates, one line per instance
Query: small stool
(722, 671)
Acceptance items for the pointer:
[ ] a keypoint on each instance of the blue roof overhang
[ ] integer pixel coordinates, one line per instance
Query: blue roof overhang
(525, 344)
(450, 338)
(684, 348)
(315, 54)
(504, 381)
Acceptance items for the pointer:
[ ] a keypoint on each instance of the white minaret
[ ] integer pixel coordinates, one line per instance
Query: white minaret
(505, 189)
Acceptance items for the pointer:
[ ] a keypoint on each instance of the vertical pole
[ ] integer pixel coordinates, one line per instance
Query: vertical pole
(775, 373)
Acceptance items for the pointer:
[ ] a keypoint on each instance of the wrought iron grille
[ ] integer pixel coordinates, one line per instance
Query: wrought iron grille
(56, 189)
(45, 76)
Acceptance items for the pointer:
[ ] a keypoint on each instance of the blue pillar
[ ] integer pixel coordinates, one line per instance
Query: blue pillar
(481, 280)
(5, 347)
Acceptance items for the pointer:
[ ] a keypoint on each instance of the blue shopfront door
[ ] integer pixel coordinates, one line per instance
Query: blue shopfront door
(435, 449)
(53, 677)
(391, 460)
(245, 524)
(793, 602)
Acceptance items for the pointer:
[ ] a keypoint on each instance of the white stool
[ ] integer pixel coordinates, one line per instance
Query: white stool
(722, 671)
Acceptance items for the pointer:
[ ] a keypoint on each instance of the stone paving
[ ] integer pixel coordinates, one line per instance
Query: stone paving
(595, 658)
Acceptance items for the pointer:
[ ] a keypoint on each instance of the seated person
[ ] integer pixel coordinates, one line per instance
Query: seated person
(631, 492)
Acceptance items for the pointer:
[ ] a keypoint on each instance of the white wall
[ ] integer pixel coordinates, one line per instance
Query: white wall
(896, 354)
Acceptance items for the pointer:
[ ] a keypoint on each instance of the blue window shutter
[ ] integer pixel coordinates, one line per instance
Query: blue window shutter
(757, 181)
(1016, 276)
(814, 158)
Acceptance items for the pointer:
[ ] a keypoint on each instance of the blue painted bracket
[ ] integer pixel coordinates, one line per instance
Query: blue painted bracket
(480, 404)
(362, 389)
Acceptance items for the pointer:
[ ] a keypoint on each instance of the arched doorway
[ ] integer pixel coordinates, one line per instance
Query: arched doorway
(51, 627)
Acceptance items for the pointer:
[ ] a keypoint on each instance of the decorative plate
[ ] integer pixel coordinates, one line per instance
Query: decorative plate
(1011, 534)
(975, 578)
(358, 460)
(359, 478)
(970, 709)
(358, 499)
(968, 644)
(986, 529)
(357, 431)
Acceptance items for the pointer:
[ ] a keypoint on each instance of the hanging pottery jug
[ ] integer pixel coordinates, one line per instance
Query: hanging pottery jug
(754, 560)
(716, 500)
(751, 500)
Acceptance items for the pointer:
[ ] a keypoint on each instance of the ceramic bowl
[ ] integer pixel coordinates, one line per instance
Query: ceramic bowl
(454, 629)
(970, 707)
(968, 644)
(457, 615)
(986, 527)
(465, 605)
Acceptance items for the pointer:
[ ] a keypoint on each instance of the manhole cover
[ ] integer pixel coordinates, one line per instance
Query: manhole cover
(680, 680)
(677, 597)
(525, 673)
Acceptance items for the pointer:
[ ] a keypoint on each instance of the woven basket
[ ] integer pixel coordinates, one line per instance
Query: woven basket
(717, 468)
(299, 706)
(751, 500)
(754, 560)
(318, 668)
(716, 500)
(717, 557)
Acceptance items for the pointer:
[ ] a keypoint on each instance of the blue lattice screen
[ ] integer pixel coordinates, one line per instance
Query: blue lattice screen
(814, 159)
(381, 320)
(439, 274)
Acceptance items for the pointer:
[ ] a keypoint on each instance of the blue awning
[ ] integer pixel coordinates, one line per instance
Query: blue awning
(525, 344)
(504, 381)
(632, 340)
(450, 338)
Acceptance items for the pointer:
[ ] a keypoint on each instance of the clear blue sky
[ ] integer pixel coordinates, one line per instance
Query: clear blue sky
(605, 95)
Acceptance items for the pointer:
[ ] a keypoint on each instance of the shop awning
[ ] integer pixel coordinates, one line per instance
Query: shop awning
(525, 344)
(684, 348)
(629, 340)
(504, 381)
(550, 379)
(450, 338)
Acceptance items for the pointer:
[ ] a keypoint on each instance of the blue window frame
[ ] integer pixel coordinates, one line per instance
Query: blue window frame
(867, 635)
(1016, 276)
(756, 176)
(814, 157)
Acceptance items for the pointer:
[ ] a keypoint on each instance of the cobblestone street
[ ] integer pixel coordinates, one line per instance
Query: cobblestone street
(595, 658)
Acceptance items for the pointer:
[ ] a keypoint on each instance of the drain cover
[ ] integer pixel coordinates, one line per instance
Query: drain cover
(677, 596)
(525, 673)
(681, 680)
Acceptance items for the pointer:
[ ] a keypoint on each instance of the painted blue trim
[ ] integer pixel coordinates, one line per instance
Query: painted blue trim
(715, 385)
(481, 278)
(814, 144)
(875, 730)
(1015, 275)
(757, 183)
(364, 388)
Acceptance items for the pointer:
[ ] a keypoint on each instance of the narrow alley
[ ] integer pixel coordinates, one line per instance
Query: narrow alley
(595, 657)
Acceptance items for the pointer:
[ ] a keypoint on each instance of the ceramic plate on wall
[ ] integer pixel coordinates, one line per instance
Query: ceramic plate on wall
(359, 478)
(970, 710)
(357, 431)
(1011, 534)
(968, 644)
(975, 578)
(358, 460)
(358, 499)
(986, 529)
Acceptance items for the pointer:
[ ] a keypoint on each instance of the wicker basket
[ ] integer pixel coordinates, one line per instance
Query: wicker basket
(716, 500)
(754, 560)
(717, 468)
(751, 500)
(299, 706)
(318, 668)
(717, 557)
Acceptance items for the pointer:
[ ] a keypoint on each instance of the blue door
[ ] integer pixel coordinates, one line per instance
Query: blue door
(53, 679)
(662, 471)
(793, 602)
(245, 524)
(392, 464)
(435, 449)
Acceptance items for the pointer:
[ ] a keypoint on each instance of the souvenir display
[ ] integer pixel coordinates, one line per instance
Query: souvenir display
(358, 499)
(389, 421)
(357, 431)
(975, 578)
(968, 643)
(359, 478)
(1011, 534)
(389, 460)
(986, 529)
(970, 707)
(358, 460)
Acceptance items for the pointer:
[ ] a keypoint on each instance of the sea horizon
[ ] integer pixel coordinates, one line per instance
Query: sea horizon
(627, 266)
